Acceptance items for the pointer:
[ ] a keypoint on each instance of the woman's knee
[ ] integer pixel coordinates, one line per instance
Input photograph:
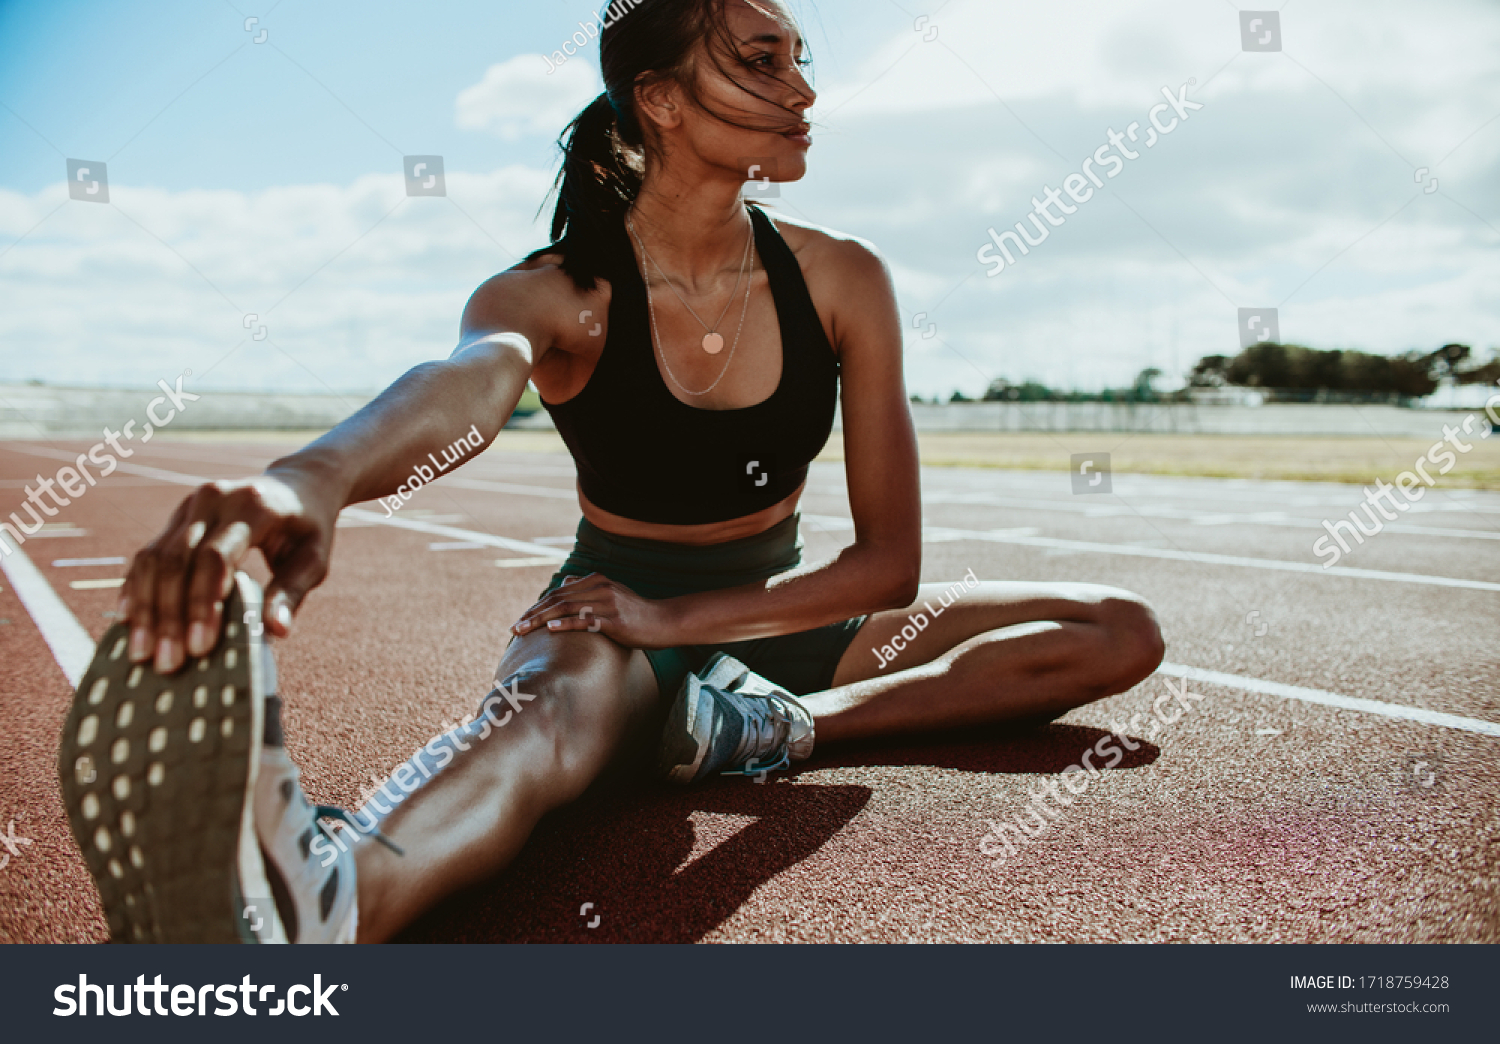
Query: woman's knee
(570, 716)
(1134, 638)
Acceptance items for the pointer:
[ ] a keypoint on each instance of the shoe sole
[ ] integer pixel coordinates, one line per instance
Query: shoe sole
(158, 775)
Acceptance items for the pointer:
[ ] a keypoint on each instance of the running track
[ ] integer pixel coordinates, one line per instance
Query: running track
(1337, 782)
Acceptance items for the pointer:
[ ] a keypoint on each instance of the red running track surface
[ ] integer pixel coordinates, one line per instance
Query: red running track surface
(1253, 818)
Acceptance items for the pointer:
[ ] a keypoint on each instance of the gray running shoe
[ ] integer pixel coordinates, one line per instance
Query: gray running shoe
(192, 823)
(311, 871)
(730, 720)
(158, 778)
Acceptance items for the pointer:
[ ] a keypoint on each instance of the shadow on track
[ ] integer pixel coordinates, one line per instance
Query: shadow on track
(624, 852)
(622, 848)
(1035, 748)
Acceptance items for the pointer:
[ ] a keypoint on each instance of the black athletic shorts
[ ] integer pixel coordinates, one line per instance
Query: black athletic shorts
(802, 663)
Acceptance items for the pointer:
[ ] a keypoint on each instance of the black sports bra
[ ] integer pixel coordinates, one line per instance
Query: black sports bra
(644, 454)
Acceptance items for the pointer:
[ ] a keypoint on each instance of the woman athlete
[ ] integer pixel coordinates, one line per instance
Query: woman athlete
(690, 348)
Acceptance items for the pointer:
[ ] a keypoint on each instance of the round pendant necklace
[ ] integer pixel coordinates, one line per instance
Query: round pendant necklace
(713, 341)
(712, 350)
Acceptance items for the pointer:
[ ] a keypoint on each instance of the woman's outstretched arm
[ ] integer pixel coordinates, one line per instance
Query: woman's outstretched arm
(173, 593)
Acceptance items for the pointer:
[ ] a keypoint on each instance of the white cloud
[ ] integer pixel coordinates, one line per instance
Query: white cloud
(355, 283)
(1275, 193)
(1287, 186)
(1099, 55)
(522, 96)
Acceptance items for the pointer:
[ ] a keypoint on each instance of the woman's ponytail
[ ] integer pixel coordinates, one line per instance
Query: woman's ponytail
(595, 187)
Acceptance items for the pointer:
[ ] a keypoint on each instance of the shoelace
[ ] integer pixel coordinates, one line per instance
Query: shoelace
(763, 716)
(334, 812)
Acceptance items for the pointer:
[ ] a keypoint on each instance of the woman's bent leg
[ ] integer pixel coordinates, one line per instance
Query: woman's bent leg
(1000, 652)
(476, 793)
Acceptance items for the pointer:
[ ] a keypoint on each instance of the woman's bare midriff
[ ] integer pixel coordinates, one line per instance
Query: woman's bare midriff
(706, 533)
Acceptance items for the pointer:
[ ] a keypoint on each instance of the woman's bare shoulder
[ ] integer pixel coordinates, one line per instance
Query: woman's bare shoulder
(537, 288)
(819, 248)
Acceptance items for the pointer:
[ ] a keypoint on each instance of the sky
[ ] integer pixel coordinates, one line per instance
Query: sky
(258, 231)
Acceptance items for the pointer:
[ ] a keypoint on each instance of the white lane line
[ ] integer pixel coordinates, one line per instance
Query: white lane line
(71, 645)
(944, 533)
(1020, 536)
(1089, 508)
(510, 487)
(357, 514)
(143, 470)
(455, 534)
(938, 532)
(1024, 537)
(1329, 699)
(73, 648)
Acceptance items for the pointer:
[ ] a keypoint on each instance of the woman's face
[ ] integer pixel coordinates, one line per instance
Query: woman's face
(764, 91)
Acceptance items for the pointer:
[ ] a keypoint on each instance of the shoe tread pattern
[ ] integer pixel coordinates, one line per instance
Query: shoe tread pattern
(173, 878)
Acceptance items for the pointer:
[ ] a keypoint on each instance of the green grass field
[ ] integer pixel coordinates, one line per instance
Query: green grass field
(1326, 459)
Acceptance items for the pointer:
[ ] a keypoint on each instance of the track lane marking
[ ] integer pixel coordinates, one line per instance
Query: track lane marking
(946, 534)
(1191, 516)
(941, 532)
(71, 645)
(991, 498)
(490, 486)
(1206, 558)
(1329, 699)
(358, 514)
(456, 535)
(73, 648)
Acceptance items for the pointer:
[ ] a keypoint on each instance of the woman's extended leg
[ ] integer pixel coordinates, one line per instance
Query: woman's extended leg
(1002, 651)
(591, 697)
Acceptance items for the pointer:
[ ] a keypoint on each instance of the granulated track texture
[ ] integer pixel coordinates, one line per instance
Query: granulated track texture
(1251, 818)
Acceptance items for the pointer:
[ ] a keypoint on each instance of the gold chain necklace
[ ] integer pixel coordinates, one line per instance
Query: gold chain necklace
(713, 341)
(651, 309)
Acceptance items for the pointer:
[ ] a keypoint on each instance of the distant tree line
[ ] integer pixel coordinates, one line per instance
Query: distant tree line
(1002, 390)
(1282, 372)
(1292, 371)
